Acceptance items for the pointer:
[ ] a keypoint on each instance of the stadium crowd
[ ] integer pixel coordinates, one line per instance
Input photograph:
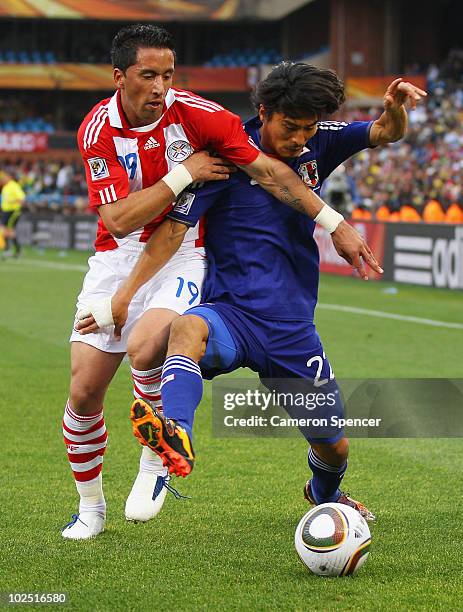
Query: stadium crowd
(421, 177)
(57, 186)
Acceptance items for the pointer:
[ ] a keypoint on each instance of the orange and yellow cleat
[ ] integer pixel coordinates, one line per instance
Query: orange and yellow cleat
(163, 436)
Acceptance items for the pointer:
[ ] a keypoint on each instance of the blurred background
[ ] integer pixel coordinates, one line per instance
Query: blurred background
(54, 66)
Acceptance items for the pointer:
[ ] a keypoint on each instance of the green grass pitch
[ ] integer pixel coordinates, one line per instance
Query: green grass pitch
(230, 546)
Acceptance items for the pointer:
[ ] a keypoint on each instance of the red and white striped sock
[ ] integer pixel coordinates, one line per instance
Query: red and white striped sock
(85, 438)
(147, 386)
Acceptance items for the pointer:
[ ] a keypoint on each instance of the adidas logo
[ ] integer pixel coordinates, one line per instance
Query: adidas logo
(151, 143)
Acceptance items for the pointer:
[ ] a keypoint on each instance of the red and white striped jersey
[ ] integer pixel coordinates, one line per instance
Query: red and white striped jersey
(120, 159)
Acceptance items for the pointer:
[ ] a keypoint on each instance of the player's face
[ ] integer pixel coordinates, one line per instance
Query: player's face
(144, 85)
(285, 136)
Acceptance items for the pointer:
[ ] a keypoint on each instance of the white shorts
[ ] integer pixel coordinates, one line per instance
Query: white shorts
(177, 286)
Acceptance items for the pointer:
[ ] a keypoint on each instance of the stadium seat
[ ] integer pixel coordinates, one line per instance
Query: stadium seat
(23, 57)
(50, 57)
(10, 56)
(383, 213)
(409, 214)
(244, 58)
(361, 213)
(433, 212)
(454, 214)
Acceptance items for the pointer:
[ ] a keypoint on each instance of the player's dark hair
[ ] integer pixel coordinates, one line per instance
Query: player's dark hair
(299, 90)
(129, 39)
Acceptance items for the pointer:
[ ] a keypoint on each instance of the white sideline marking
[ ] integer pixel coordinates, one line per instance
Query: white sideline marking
(390, 315)
(44, 264)
(337, 307)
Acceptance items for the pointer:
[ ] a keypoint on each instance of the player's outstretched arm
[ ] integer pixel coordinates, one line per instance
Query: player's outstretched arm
(392, 125)
(163, 244)
(283, 183)
(139, 208)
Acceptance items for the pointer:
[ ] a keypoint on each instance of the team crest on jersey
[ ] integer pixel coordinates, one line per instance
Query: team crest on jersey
(309, 173)
(98, 168)
(179, 150)
(184, 203)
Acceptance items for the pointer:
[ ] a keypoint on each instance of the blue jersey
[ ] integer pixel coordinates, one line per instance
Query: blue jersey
(262, 255)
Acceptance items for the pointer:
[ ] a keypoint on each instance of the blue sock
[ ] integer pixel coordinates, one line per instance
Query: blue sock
(181, 390)
(326, 479)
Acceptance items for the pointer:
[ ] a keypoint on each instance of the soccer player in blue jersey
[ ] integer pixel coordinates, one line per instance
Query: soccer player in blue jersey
(261, 288)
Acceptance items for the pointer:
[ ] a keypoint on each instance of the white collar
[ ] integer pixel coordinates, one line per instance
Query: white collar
(116, 121)
(113, 113)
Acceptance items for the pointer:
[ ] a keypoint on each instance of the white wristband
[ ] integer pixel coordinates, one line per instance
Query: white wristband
(101, 311)
(329, 218)
(177, 179)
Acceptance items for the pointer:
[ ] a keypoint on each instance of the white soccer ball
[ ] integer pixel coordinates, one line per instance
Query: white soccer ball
(333, 540)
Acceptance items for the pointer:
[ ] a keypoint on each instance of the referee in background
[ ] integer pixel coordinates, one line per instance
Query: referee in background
(12, 198)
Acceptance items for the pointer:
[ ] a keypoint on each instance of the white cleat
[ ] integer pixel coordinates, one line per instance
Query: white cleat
(147, 496)
(84, 526)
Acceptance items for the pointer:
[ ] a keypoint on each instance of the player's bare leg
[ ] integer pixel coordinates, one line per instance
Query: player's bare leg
(91, 373)
(85, 434)
(334, 454)
(147, 344)
(328, 463)
(188, 337)
(146, 348)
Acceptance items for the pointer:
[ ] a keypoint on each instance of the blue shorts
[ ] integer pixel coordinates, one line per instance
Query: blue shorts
(277, 350)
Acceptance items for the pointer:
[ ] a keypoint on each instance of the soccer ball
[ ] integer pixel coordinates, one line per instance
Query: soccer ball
(333, 540)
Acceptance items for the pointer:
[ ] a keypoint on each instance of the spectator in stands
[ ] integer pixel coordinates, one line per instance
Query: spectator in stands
(64, 178)
(339, 191)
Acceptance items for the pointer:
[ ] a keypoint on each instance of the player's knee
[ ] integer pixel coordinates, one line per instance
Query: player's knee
(335, 453)
(144, 354)
(341, 449)
(147, 343)
(188, 335)
(85, 398)
(185, 327)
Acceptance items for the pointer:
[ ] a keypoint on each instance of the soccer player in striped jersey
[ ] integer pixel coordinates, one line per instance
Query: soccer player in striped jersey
(137, 148)
(262, 283)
